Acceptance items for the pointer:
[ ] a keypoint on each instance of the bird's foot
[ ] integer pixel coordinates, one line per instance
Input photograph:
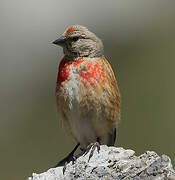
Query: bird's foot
(65, 161)
(91, 147)
(68, 159)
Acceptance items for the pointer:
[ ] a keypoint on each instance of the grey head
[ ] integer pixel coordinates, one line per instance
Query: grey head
(78, 41)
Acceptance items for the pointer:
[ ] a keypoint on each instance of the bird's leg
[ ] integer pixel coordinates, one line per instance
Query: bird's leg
(68, 158)
(92, 147)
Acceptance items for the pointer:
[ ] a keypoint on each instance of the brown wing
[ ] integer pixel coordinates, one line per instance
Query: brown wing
(111, 103)
(112, 99)
(101, 97)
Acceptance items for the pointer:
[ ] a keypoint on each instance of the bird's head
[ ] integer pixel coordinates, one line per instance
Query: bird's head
(78, 41)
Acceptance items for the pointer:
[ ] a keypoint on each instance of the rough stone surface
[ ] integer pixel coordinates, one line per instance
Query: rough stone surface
(113, 163)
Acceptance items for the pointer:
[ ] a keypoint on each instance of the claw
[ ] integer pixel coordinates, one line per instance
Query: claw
(73, 159)
(95, 145)
(64, 168)
(67, 159)
(92, 147)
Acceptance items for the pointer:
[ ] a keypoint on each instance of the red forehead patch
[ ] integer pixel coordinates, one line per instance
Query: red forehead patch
(69, 29)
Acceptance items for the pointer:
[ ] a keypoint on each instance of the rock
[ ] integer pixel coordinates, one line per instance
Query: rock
(113, 163)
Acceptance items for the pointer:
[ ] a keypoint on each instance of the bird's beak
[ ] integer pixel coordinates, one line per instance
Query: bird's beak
(61, 41)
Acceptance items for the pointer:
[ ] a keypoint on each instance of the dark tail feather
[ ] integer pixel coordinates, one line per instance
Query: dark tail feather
(112, 138)
(109, 139)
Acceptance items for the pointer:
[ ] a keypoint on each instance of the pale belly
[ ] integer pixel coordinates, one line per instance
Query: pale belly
(82, 127)
(83, 123)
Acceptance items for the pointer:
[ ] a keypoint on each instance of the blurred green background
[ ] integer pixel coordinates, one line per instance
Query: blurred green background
(139, 39)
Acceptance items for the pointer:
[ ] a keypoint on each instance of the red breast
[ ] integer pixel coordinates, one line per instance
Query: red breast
(90, 72)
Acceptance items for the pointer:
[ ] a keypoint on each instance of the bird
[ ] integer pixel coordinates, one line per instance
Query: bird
(87, 93)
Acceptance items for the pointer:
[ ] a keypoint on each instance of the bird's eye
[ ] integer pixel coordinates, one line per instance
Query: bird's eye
(75, 38)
